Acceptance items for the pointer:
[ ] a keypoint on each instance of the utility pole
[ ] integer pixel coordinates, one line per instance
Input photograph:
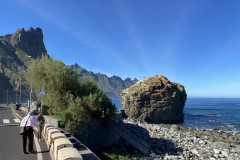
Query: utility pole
(20, 94)
(41, 93)
(30, 99)
(42, 103)
(16, 91)
(16, 96)
(7, 97)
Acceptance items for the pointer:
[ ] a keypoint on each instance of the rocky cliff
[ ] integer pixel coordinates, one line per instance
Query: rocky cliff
(155, 100)
(29, 41)
(112, 86)
(16, 50)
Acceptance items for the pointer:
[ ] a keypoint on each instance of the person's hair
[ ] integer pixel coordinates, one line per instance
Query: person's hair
(30, 113)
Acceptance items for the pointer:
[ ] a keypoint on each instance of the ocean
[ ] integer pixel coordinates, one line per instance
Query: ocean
(197, 113)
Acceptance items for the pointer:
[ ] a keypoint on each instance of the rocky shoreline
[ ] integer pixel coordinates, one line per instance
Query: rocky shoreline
(178, 142)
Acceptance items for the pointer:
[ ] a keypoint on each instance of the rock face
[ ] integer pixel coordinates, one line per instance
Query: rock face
(30, 41)
(155, 100)
(16, 50)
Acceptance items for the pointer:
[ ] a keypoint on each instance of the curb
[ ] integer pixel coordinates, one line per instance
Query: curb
(66, 151)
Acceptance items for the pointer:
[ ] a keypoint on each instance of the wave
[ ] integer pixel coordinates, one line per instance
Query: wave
(212, 120)
(205, 109)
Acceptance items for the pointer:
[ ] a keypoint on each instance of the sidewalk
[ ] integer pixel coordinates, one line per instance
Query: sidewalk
(40, 147)
(82, 149)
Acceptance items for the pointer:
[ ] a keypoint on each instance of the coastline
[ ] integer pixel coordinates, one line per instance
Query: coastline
(208, 133)
(179, 142)
(209, 113)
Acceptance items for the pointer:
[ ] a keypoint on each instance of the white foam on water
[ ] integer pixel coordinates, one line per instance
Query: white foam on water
(209, 129)
(235, 132)
(211, 120)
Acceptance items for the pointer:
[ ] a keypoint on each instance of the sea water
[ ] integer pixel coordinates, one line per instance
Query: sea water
(198, 111)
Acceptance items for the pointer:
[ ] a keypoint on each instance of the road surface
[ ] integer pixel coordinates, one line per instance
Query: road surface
(11, 141)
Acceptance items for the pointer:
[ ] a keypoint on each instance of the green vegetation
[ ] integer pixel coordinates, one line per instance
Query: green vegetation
(115, 155)
(23, 57)
(74, 101)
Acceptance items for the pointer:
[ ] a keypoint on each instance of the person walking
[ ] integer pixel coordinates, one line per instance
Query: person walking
(17, 107)
(28, 122)
(41, 121)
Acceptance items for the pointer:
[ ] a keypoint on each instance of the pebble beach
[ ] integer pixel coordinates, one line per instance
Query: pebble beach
(177, 142)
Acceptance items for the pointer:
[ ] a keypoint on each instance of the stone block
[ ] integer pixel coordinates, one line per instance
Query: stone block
(59, 144)
(54, 137)
(69, 153)
(47, 130)
(46, 126)
(50, 132)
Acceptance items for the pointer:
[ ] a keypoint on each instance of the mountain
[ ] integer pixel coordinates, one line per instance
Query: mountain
(112, 86)
(16, 50)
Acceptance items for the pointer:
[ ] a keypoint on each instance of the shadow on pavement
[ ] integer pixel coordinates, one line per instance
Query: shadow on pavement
(46, 151)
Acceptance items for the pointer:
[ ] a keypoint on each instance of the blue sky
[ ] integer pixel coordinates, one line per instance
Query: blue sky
(192, 42)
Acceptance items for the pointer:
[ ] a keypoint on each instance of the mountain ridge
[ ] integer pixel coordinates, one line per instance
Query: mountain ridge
(17, 49)
(112, 86)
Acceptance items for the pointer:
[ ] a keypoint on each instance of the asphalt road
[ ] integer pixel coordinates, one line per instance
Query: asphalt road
(11, 141)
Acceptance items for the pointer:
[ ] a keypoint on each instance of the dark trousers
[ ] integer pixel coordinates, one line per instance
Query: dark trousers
(28, 134)
(40, 131)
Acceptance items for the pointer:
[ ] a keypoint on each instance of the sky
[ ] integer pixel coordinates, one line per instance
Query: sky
(192, 42)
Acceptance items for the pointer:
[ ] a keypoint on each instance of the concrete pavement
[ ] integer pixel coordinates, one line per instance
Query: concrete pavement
(11, 141)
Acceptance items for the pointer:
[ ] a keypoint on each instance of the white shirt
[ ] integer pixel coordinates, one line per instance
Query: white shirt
(32, 121)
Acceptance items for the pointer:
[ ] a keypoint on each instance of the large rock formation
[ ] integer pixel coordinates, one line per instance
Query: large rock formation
(155, 100)
(29, 41)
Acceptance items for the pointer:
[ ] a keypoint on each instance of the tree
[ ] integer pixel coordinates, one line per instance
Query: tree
(67, 97)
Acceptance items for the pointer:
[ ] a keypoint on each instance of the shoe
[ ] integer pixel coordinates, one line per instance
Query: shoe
(25, 153)
(32, 152)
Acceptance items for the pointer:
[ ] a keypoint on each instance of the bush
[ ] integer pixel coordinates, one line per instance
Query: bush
(67, 97)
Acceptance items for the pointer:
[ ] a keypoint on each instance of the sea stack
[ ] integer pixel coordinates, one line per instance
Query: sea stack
(155, 100)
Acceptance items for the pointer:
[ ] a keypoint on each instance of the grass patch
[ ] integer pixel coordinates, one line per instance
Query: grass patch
(115, 154)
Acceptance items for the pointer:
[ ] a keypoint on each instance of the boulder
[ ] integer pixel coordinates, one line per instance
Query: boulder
(155, 100)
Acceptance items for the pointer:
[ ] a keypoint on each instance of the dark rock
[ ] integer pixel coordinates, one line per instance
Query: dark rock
(212, 114)
(155, 100)
(30, 41)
